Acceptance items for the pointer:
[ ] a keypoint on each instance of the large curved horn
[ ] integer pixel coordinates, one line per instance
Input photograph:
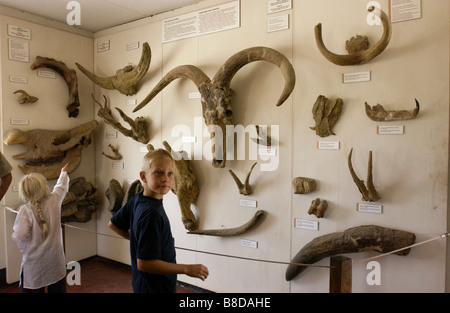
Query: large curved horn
(353, 240)
(244, 57)
(184, 71)
(360, 57)
(126, 79)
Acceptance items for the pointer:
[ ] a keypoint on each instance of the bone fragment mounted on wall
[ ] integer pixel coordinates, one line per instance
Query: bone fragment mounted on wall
(379, 114)
(244, 188)
(69, 76)
(25, 97)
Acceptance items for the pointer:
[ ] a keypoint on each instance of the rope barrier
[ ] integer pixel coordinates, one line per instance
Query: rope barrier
(447, 234)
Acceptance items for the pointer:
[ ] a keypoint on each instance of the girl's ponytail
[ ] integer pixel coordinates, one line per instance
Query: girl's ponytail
(41, 217)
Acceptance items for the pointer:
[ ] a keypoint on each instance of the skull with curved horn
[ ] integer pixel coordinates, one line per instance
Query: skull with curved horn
(216, 93)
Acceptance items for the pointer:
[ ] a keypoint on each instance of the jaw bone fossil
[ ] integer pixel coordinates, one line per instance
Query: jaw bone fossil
(69, 76)
(127, 78)
(379, 114)
(244, 189)
(80, 202)
(357, 47)
(185, 185)
(369, 193)
(25, 97)
(139, 125)
(325, 113)
(228, 232)
(353, 240)
(216, 93)
(49, 150)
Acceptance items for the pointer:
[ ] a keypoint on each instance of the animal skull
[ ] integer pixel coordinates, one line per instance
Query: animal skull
(216, 93)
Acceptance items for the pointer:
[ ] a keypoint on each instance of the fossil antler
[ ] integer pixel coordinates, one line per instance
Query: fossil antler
(244, 189)
(139, 125)
(379, 114)
(127, 78)
(369, 193)
(216, 93)
(356, 56)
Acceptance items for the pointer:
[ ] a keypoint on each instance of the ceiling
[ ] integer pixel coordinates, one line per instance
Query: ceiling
(97, 15)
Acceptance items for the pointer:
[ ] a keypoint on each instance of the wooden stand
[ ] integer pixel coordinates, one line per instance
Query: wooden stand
(340, 274)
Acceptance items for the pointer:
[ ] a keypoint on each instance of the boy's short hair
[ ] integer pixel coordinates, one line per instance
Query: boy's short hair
(153, 155)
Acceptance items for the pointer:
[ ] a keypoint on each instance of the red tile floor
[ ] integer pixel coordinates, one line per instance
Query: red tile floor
(100, 275)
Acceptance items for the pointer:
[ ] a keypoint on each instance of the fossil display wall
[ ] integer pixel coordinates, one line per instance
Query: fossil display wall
(303, 169)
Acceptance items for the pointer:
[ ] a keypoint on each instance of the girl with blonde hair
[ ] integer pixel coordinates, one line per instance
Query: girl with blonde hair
(38, 234)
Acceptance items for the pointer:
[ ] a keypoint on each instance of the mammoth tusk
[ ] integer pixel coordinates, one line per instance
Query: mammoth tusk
(369, 193)
(357, 57)
(231, 66)
(379, 114)
(69, 76)
(244, 189)
(127, 78)
(353, 240)
(227, 232)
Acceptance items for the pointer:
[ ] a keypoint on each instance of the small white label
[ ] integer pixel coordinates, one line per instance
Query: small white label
(103, 46)
(248, 203)
(305, 224)
(118, 165)
(278, 23)
(132, 102)
(328, 145)
(189, 139)
(46, 74)
(132, 45)
(15, 188)
(249, 243)
(267, 151)
(143, 149)
(18, 79)
(356, 77)
(369, 208)
(19, 121)
(111, 135)
(390, 130)
(195, 95)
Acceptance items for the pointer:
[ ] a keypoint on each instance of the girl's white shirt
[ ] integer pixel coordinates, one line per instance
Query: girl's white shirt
(43, 261)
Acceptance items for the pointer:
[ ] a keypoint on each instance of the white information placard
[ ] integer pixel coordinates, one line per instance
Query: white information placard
(305, 224)
(278, 23)
(356, 77)
(328, 145)
(18, 50)
(19, 32)
(215, 19)
(274, 6)
(369, 208)
(405, 10)
(390, 130)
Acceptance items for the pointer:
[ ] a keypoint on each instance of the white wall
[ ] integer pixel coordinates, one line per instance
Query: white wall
(410, 170)
(49, 112)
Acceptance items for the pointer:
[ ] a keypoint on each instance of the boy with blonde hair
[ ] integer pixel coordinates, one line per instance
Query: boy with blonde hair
(144, 222)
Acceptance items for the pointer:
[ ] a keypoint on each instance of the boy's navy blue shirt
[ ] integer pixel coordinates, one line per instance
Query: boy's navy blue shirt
(150, 238)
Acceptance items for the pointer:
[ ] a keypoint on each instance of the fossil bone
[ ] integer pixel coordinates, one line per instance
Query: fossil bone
(263, 138)
(325, 113)
(185, 185)
(353, 240)
(318, 207)
(127, 78)
(69, 76)
(80, 202)
(116, 156)
(227, 232)
(379, 114)
(216, 93)
(303, 185)
(139, 125)
(49, 150)
(369, 193)
(357, 53)
(114, 194)
(25, 97)
(244, 189)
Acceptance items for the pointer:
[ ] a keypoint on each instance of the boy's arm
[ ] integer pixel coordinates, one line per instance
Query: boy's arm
(123, 233)
(161, 268)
